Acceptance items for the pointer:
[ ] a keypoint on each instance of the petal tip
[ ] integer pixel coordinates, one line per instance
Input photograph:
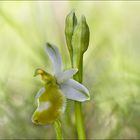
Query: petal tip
(48, 44)
(88, 98)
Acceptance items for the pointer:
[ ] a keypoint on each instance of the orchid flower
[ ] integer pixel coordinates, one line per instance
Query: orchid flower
(58, 87)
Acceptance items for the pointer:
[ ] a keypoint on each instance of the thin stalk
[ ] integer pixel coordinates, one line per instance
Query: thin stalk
(58, 130)
(78, 106)
(79, 121)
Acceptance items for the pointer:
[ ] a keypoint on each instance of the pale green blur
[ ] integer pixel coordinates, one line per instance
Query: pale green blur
(111, 66)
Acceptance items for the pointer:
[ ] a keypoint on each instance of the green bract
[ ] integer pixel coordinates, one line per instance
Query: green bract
(57, 87)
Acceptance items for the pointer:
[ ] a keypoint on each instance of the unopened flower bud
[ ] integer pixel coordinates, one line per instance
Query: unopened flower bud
(80, 39)
(70, 23)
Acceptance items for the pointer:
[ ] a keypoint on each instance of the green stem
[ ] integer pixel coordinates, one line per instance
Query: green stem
(58, 130)
(79, 121)
(78, 106)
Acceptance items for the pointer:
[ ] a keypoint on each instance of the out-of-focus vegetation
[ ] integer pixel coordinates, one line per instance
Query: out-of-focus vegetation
(111, 66)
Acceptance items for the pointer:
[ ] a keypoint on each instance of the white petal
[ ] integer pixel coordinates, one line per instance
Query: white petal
(75, 91)
(63, 76)
(78, 86)
(40, 92)
(55, 57)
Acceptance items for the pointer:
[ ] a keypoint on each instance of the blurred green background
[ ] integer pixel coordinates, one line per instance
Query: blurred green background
(111, 66)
